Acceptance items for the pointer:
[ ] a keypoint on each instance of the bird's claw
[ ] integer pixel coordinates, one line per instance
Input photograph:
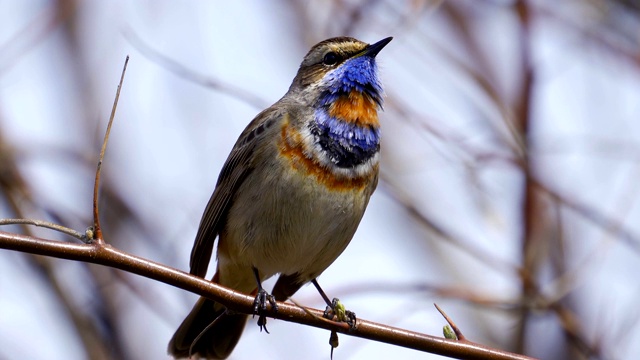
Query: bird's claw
(340, 313)
(260, 307)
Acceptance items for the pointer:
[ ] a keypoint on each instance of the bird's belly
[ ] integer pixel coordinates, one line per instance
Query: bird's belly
(285, 222)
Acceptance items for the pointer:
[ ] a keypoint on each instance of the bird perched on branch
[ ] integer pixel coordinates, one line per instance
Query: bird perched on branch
(292, 192)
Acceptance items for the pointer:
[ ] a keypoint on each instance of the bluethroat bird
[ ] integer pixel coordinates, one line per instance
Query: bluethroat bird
(291, 193)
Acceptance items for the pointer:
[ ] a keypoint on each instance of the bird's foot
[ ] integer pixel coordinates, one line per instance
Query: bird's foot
(260, 307)
(340, 313)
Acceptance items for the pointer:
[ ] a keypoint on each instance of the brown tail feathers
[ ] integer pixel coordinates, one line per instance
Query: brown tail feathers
(215, 342)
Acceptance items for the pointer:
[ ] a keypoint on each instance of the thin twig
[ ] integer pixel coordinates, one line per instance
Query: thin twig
(96, 219)
(44, 224)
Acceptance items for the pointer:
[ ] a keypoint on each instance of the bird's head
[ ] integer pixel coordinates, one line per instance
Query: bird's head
(336, 67)
(338, 82)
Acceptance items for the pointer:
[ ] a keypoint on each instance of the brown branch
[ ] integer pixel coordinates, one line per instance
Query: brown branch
(532, 210)
(106, 255)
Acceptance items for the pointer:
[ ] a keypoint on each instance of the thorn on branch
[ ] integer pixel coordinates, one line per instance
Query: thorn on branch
(456, 331)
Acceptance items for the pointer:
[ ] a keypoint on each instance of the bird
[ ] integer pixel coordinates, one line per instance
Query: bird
(292, 192)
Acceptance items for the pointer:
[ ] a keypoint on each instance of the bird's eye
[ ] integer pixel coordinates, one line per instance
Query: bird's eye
(330, 58)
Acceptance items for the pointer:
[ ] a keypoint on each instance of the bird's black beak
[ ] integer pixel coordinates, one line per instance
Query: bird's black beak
(373, 49)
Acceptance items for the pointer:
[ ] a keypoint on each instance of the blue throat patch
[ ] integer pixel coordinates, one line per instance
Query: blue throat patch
(347, 143)
(359, 74)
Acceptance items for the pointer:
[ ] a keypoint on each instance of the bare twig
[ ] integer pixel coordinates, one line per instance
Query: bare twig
(96, 219)
(45, 224)
(104, 254)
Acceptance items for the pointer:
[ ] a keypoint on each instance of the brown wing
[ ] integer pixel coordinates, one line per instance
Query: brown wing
(237, 167)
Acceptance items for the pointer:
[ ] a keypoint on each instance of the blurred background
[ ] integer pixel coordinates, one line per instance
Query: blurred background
(509, 191)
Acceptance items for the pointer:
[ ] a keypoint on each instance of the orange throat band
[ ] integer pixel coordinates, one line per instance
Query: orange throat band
(355, 107)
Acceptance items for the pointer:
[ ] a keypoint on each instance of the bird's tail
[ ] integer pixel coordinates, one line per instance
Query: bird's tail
(199, 335)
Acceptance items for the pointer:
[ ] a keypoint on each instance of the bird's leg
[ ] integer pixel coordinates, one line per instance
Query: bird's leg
(335, 308)
(260, 303)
